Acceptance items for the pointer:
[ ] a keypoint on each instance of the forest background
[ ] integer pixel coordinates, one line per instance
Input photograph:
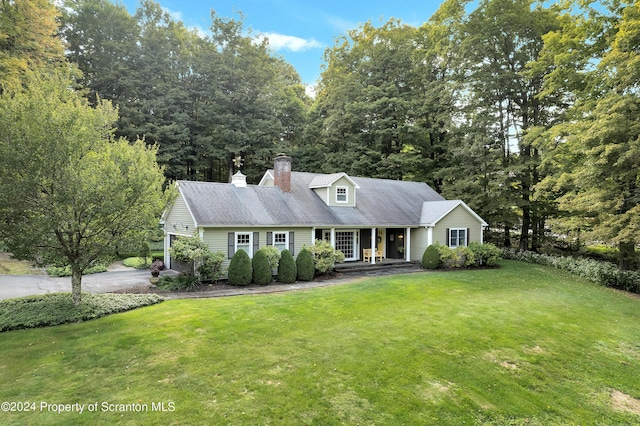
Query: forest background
(528, 111)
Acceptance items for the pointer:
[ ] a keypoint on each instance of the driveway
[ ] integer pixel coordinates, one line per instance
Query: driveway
(25, 285)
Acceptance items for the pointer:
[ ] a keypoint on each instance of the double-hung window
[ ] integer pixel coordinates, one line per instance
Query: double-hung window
(457, 237)
(244, 241)
(342, 194)
(281, 240)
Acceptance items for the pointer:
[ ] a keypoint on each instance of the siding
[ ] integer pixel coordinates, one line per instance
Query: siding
(179, 220)
(457, 218)
(351, 195)
(217, 238)
(419, 242)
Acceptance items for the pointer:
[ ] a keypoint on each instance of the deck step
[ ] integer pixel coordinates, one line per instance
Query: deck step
(362, 267)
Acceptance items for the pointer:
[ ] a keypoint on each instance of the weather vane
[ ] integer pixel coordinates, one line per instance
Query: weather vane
(238, 162)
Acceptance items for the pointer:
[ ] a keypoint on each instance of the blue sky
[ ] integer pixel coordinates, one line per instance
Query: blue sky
(299, 31)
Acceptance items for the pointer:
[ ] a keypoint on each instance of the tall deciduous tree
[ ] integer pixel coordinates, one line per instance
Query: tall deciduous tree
(68, 190)
(28, 39)
(596, 150)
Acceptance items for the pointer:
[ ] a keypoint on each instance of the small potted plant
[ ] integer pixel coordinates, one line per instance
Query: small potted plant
(156, 267)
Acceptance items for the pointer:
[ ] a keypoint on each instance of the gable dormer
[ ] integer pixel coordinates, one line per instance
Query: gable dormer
(336, 190)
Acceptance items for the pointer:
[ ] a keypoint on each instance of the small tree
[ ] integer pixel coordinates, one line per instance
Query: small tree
(204, 264)
(325, 256)
(240, 271)
(304, 265)
(262, 271)
(69, 191)
(286, 268)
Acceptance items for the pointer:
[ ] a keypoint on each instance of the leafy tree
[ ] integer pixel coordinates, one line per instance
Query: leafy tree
(68, 189)
(28, 40)
(206, 264)
(594, 152)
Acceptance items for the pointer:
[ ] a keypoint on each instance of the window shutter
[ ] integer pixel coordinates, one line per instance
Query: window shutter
(232, 244)
(256, 242)
(269, 238)
(448, 236)
(466, 237)
(291, 243)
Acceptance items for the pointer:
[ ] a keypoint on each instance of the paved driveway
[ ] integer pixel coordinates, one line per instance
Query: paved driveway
(25, 285)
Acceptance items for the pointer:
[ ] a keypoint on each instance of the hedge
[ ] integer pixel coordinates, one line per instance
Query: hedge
(57, 308)
(598, 272)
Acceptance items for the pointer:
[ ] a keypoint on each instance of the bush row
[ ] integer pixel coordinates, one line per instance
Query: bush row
(599, 272)
(65, 271)
(474, 255)
(57, 308)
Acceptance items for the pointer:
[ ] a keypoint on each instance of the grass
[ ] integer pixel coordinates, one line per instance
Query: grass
(523, 344)
(137, 262)
(11, 266)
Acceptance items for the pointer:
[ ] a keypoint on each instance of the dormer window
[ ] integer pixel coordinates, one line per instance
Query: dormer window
(341, 194)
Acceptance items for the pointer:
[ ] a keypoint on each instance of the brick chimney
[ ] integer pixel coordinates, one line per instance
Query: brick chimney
(282, 172)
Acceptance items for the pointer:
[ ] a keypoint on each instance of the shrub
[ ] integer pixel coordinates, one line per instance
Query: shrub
(325, 256)
(57, 308)
(449, 258)
(304, 265)
(466, 256)
(273, 256)
(486, 254)
(210, 266)
(240, 271)
(286, 268)
(65, 271)
(186, 282)
(262, 271)
(431, 258)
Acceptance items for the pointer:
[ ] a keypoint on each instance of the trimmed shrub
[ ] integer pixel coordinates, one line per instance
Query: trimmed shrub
(240, 271)
(65, 271)
(262, 274)
(431, 258)
(273, 256)
(286, 268)
(304, 265)
(449, 258)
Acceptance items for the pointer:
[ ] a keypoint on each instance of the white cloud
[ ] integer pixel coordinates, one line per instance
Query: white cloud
(292, 43)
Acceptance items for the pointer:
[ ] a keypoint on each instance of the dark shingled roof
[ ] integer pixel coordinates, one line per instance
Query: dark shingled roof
(379, 202)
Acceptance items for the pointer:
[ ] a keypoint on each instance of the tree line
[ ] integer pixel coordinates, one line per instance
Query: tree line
(526, 110)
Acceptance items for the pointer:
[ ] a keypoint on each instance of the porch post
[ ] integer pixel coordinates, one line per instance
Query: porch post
(333, 237)
(374, 246)
(313, 236)
(407, 244)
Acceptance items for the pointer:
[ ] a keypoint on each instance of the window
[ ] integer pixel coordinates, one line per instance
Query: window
(281, 240)
(457, 237)
(341, 194)
(244, 242)
(347, 243)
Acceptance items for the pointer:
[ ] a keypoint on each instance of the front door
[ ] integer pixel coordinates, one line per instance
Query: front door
(395, 243)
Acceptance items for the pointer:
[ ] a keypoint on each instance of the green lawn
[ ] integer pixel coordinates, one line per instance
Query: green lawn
(521, 344)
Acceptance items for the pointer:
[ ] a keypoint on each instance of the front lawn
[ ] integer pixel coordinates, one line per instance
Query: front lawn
(523, 344)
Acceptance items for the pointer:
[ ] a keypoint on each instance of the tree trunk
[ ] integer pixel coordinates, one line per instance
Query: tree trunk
(526, 225)
(76, 283)
(507, 236)
(627, 255)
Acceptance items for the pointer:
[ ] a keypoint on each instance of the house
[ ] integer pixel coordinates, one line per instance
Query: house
(367, 219)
